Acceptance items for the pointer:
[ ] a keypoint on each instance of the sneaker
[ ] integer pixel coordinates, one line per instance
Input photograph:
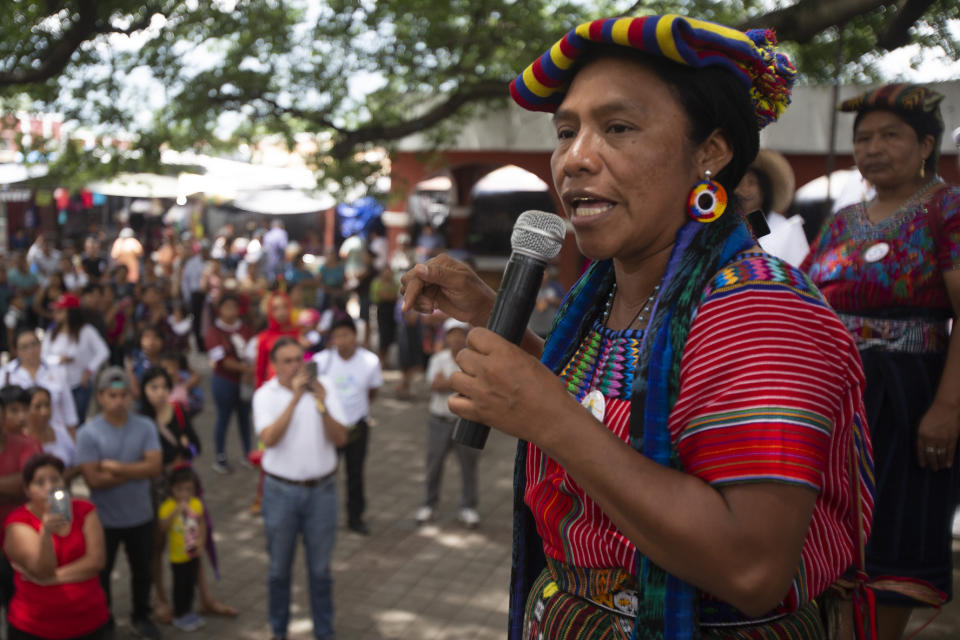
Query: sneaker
(147, 629)
(199, 619)
(469, 517)
(221, 467)
(424, 514)
(186, 623)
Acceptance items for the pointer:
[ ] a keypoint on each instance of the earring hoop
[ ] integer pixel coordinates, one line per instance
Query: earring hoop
(708, 200)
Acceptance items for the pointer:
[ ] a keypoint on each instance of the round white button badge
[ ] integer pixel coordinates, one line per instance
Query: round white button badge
(595, 403)
(877, 252)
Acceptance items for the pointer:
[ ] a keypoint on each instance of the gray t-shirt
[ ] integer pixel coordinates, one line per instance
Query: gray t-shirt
(127, 504)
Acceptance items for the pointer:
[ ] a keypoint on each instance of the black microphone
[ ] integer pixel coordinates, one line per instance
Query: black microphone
(536, 240)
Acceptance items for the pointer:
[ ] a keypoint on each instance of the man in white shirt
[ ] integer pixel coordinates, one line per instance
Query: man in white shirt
(355, 375)
(44, 257)
(440, 431)
(301, 438)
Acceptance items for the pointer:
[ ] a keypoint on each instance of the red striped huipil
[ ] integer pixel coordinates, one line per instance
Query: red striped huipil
(770, 391)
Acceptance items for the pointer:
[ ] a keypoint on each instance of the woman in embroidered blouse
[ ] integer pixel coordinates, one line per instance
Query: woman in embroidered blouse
(709, 493)
(891, 269)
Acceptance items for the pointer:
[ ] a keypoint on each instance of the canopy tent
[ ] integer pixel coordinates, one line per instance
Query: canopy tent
(846, 187)
(14, 173)
(138, 185)
(278, 202)
(509, 178)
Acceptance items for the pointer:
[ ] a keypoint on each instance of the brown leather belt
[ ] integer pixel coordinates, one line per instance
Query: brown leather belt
(311, 482)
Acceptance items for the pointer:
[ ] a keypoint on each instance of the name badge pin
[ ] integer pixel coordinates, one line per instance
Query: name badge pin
(876, 252)
(595, 403)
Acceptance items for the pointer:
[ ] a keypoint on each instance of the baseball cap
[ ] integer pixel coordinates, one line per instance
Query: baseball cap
(113, 378)
(66, 301)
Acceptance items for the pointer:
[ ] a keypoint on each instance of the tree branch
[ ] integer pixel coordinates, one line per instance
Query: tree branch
(897, 32)
(137, 25)
(57, 56)
(802, 21)
(348, 142)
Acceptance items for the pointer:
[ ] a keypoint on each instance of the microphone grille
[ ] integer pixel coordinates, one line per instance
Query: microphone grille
(538, 234)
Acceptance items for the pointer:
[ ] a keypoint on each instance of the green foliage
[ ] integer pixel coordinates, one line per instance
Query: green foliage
(349, 74)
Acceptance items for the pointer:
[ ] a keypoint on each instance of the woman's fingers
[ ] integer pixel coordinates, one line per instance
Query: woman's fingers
(936, 455)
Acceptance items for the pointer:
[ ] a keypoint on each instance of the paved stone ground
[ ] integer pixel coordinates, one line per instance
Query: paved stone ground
(402, 582)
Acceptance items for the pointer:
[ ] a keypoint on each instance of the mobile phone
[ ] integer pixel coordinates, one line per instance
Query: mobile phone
(60, 503)
(312, 370)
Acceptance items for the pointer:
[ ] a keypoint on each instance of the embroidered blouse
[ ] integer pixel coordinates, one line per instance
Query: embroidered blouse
(896, 264)
(770, 391)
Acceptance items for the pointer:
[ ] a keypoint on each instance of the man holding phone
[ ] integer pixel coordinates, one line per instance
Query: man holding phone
(291, 418)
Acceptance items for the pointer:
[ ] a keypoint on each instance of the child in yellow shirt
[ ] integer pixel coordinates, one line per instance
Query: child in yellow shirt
(181, 517)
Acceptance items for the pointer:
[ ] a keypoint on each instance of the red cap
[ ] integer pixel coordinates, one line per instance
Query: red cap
(66, 301)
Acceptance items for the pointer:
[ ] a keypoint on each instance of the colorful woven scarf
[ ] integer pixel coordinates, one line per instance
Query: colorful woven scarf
(668, 606)
(750, 57)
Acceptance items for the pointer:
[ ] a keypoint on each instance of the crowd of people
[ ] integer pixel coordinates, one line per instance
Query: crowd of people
(795, 405)
(100, 343)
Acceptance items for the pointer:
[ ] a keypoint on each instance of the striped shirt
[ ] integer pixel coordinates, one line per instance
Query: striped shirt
(770, 391)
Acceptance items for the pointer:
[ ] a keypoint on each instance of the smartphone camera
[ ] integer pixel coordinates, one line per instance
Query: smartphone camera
(60, 503)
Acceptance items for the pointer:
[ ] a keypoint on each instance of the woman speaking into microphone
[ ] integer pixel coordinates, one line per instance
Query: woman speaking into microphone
(692, 443)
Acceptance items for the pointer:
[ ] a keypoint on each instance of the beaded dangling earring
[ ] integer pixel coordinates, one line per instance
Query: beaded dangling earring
(923, 170)
(708, 200)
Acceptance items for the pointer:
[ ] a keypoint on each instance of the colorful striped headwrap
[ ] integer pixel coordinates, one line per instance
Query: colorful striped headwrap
(750, 56)
(919, 105)
(912, 98)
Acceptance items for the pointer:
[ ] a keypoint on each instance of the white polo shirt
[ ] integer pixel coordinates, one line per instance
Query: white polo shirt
(304, 452)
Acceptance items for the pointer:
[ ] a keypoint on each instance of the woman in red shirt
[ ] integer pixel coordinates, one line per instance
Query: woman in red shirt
(56, 561)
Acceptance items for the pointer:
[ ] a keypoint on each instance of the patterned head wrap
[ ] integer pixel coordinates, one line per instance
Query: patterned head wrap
(917, 105)
(910, 98)
(750, 57)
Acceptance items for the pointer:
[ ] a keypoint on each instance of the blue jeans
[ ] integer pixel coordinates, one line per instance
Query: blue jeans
(312, 511)
(81, 398)
(226, 396)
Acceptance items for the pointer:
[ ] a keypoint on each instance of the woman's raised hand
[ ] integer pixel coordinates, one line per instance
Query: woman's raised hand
(445, 284)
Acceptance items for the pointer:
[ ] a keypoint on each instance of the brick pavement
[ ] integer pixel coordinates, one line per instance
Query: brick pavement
(403, 582)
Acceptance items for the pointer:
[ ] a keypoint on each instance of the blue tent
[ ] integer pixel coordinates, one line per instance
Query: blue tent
(358, 217)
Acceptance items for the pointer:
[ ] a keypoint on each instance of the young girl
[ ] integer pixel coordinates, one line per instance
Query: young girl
(152, 344)
(181, 518)
(187, 391)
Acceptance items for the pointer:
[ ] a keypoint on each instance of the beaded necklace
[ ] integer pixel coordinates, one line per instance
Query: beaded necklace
(641, 315)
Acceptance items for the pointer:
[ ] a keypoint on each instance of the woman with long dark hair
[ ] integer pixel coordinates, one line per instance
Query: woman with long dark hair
(692, 431)
(54, 438)
(78, 346)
